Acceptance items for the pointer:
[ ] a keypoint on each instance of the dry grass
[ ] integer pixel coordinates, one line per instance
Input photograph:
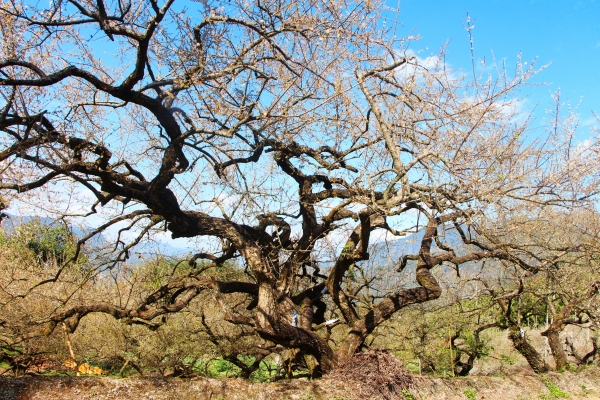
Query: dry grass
(584, 386)
(374, 374)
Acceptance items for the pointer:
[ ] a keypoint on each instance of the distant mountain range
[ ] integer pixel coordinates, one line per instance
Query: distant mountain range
(382, 254)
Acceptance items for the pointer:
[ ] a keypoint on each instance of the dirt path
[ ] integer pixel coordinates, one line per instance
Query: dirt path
(584, 385)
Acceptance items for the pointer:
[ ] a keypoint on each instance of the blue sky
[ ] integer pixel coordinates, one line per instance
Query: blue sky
(564, 33)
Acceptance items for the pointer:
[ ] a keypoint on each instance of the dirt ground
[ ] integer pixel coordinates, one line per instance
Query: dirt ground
(582, 385)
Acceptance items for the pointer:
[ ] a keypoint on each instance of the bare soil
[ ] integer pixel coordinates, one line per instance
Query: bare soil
(525, 385)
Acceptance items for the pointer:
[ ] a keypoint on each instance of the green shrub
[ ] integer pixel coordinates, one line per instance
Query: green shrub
(470, 393)
(555, 391)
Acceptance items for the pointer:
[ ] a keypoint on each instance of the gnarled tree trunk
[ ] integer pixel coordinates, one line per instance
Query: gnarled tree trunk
(522, 345)
(558, 352)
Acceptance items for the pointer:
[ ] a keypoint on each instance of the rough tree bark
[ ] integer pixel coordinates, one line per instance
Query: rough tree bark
(568, 314)
(522, 345)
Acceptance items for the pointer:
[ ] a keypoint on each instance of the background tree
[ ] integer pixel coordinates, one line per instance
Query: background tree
(283, 134)
(558, 289)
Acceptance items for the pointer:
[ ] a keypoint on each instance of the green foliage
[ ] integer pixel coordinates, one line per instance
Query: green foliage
(481, 348)
(52, 243)
(427, 337)
(46, 243)
(412, 367)
(470, 393)
(158, 273)
(555, 391)
(12, 351)
(265, 372)
(222, 366)
(508, 360)
(408, 395)
(216, 368)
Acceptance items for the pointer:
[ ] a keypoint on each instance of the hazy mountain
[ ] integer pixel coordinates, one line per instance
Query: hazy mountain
(382, 254)
(386, 256)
